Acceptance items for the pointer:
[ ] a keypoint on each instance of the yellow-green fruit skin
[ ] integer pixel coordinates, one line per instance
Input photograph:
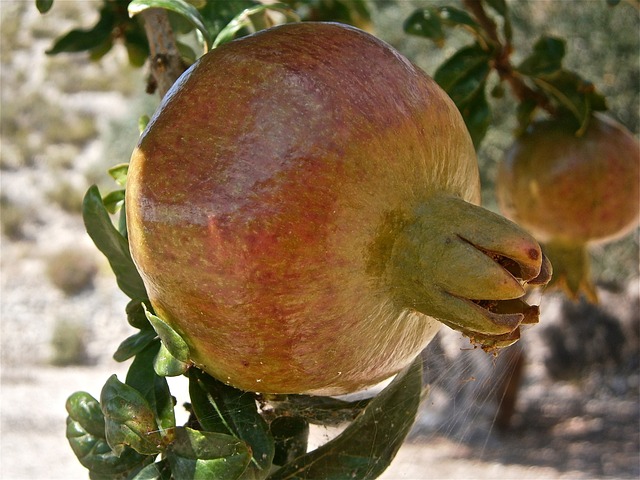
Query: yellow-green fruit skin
(263, 198)
(572, 189)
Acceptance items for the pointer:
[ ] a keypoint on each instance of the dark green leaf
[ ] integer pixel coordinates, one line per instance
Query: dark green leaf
(136, 315)
(454, 16)
(425, 22)
(44, 5)
(217, 15)
(85, 409)
(613, 3)
(291, 435)
(113, 201)
(166, 365)
(206, 455)
(573, 94)
(119, 173)
(369, 444)
(154, 388)
(546, 58)
(464, 74)
(82, 40)
(86, 435)
(477, 116)
(134, 344)
(129, 419)
(224, 409)
(180, 7)
(171, 339)
(155, 471)
(111, 243)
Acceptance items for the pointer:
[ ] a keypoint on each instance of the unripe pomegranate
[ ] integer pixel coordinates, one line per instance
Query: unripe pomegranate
(301, 211)
(571, 191)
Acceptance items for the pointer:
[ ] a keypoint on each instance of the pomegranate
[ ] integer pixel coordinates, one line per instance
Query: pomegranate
(301, 210)
(571, 191)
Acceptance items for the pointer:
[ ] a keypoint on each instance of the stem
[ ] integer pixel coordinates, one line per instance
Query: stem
(166, 63)
(502, 63)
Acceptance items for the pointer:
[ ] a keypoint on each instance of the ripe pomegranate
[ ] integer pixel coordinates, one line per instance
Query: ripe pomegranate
(301, 211)
(571, 191)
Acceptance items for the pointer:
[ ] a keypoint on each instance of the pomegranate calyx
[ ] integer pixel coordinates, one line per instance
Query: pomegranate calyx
(468, 268)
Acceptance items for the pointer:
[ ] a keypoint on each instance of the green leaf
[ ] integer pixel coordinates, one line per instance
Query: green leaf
(134, 344)
(113, 201)
(188, 11)
(136, 315)
(129, 419)
(224, 409)
(166, 365)
(44, 6)
(291, 435)
(243, 20)
(425, 22)
(369, 444)
(454, 16)
(546, 58)
(200, 455)
(82, 40)
(86, 436)
(119, 173)
(524, 114)
(500, 6)
(155, 471)
(464, 74)
(85, 409)
(477, 116)
(154, 388)
(171, 339)
(111, 243)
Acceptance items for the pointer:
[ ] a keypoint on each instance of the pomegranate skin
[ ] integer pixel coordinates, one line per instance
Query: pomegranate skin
(279, 202)
(572, 189)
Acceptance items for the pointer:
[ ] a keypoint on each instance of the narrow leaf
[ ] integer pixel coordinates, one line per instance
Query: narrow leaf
(500, 6)
(119, 173)
(546, 57)
(136, 315)
(134, 344)
(470, 64)
(170, 338)
(181, 7)
(224, 409)
(113, 201)
(477, 116)
(369, 444)
(291, 435)
(111, 243)
(155, 471)
(85, 409)
(200, 455)
(425, 22)
(129, 419)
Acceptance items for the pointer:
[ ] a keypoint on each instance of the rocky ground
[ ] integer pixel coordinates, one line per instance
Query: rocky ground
(577, 413)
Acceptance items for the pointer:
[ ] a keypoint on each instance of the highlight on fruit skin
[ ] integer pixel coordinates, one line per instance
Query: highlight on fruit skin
(572, 191)
(302, 211)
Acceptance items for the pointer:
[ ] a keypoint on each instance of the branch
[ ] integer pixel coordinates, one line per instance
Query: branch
(502, 62)
(166, 63)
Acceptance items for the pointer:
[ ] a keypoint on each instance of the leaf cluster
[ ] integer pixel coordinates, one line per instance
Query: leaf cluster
(539, 82)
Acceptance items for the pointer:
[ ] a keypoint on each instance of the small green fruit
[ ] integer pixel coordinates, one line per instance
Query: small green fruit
(301, 212)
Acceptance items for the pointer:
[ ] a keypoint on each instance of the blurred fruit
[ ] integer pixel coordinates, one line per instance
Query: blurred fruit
(571, 191)
(299, 209)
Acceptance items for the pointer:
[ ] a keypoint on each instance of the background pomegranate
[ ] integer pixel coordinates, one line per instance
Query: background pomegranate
(298, 210)
(571, 190)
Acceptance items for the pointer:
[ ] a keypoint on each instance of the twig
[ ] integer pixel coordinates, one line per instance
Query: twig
(166, 63)
(502, 62)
